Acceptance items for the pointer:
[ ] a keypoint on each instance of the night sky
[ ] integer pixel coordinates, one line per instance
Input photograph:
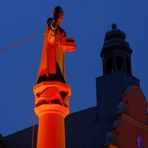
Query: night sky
(88, 22)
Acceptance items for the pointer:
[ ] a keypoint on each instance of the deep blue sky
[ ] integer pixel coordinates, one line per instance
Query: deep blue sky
(87, 21)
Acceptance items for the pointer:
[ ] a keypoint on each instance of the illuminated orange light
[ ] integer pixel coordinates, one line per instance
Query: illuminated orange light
(112, 146)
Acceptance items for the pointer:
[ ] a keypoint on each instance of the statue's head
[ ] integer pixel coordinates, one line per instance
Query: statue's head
(58, 13)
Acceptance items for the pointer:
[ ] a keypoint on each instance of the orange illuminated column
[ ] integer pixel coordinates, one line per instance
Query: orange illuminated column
(51, 106)
(52, 97)
(51, 91)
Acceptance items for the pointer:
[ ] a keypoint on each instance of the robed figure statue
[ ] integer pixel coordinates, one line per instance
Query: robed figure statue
(54, 46)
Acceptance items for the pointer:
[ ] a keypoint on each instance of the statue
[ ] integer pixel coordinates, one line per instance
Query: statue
(54, 46)
(51, 91)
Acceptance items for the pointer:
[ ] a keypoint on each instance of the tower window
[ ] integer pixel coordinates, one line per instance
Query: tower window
(109, 66)
(119, 62)
(128, 65)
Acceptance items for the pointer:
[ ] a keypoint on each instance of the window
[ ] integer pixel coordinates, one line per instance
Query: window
(128, 65)
(119, 62)
(109, 66)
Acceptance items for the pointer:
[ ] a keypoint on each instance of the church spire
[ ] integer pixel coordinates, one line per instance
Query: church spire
(116, 52)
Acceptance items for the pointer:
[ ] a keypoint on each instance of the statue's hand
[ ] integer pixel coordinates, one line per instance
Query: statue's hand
(54, 24)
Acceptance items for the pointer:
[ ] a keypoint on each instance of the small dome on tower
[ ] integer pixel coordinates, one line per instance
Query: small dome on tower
(115, 39)
(115, 33)
(116, 52)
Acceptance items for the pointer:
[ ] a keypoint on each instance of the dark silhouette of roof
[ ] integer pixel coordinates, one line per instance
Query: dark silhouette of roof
(83, 129)
(115, 39)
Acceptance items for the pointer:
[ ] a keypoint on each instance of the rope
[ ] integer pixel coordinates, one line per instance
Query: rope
(33, 129)
(21, 42)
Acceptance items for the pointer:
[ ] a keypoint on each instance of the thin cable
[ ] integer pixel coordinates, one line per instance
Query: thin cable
(22, 42)
(33, 125)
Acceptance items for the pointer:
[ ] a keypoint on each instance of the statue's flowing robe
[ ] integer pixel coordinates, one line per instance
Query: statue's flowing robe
(52, 58)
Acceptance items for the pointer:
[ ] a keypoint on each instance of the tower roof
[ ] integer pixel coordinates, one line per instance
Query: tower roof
(115, 39)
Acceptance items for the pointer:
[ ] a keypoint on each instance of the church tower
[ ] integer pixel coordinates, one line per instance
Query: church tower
(117, 71)
(120, 101)
(116, 52)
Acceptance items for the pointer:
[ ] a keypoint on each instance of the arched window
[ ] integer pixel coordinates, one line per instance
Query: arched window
(128, 65)
(119, 63)
(109, 66)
